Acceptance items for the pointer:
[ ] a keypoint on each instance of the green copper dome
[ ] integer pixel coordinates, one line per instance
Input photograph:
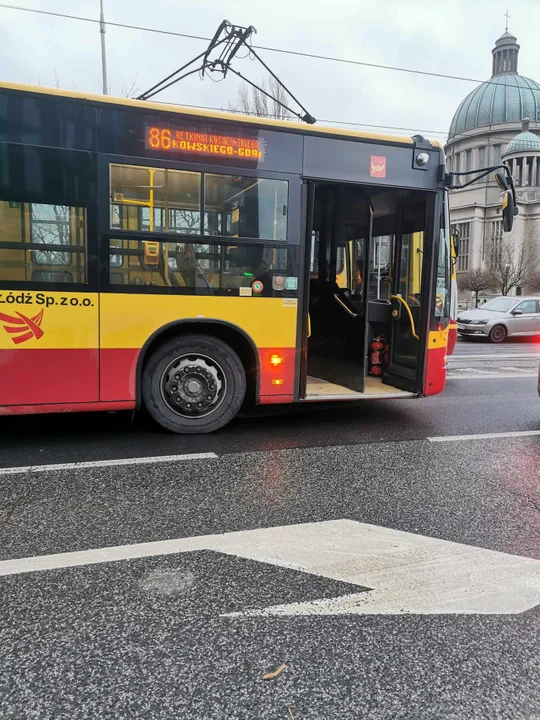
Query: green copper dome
(524, 141)
(506, 98)
(503, 98)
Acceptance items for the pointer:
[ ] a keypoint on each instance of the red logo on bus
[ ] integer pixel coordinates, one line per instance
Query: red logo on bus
(23, 328)
(378, 166)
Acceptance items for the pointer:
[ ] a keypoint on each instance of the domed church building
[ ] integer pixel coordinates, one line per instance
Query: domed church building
(499, 121)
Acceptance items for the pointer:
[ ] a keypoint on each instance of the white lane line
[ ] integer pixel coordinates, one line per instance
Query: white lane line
(484, 436)
(491, 376)
(514, 369)
(105, 463)
(494, 356)
(396, 572)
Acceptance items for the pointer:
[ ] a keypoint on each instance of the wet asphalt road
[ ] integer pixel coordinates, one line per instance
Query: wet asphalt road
(146, 637)
(467, 406)
(476, 345)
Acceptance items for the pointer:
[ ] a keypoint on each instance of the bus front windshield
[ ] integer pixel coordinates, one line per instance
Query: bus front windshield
(444, 270)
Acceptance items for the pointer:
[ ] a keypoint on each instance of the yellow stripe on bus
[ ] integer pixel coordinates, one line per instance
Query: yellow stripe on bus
(437, 339)
(47, 320)
(128, 320)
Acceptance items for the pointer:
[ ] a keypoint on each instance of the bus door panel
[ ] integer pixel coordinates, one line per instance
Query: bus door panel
(408, 299)
(343, 216)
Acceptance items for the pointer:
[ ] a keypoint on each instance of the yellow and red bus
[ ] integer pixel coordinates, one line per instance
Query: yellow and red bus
(192, 261)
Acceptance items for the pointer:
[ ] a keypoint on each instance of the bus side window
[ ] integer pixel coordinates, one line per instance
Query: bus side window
(43, 243)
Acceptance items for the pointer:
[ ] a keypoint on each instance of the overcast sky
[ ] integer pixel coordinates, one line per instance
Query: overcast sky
(453, 37)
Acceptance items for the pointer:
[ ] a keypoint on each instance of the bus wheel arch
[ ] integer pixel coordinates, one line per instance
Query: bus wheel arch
(233, 336)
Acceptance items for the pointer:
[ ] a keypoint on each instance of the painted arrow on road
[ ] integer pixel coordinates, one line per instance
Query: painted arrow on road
(404, 573)
(407, 573)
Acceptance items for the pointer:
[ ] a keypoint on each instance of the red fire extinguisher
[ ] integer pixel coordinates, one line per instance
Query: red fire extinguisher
(377, 348)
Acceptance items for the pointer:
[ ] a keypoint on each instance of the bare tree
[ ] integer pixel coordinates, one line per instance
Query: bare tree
(253, 102)
(50, 225)
(61, 84)
(57, 82)
(476, 281)
(131, 88)
(513, 261)
(532, 283)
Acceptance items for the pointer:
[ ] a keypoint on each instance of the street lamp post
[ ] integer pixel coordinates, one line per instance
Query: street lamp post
(103, 50)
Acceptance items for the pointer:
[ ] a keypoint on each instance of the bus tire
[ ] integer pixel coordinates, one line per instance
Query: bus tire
(193, 384)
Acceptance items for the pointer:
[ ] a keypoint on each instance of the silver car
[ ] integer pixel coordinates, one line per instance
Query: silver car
(501, 318)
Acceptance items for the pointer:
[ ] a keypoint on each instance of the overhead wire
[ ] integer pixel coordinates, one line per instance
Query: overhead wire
(323, 120)
(297, 53)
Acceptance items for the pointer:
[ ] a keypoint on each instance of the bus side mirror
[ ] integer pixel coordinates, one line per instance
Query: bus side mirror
(509, 210)
(501, 180)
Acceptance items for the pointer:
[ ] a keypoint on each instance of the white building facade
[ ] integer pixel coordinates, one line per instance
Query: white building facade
(499, 121)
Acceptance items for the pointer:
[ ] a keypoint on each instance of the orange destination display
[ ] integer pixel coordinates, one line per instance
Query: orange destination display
(178, 139)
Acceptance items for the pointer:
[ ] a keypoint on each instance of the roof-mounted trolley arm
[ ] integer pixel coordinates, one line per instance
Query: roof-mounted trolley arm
(229, 38)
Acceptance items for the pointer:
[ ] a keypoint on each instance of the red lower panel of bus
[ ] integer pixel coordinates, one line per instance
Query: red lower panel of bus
(67, 407)
(38, 377)
(32, 378)
(118, 374)
(435, 371)
(452, 337)
(277, 374)
(275, 399)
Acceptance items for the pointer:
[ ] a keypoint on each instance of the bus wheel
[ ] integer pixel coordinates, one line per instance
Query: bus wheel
(193, 384)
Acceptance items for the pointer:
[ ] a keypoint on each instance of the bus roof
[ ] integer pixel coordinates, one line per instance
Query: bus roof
(216, 114)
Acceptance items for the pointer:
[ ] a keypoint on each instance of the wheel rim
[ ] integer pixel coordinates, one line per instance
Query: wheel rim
(498, 334)
(193, 386)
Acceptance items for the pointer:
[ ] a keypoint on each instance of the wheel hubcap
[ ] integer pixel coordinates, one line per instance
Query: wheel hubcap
(193, 385)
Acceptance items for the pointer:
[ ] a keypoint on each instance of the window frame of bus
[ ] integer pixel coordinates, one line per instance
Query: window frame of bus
(81, 168)
(294, 214)
(86, 285)
(442, 321)
(203, 170)
(292, 265)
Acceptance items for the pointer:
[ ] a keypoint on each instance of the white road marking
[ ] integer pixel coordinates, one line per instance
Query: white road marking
(484, 436)
(514, 369)
(459, 357)
(405, 573)
(490, 376)
(105, 463)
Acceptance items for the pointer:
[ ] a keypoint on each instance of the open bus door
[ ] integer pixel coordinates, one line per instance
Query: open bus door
(409, 294)
(452, 326)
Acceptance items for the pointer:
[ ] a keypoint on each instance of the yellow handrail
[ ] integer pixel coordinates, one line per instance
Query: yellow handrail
(403, 302)
(338, 299)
